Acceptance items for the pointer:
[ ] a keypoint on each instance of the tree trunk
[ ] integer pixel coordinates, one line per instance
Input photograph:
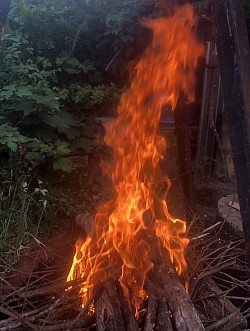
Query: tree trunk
(230, 31)
(4, 10)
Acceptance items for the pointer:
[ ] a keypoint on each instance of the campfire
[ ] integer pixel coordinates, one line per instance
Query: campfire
(134, 250)
(137, 267)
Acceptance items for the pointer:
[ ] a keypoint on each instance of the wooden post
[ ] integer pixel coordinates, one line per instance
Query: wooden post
(230, 33)
(183, 142)
(4, 10)
(184, 154)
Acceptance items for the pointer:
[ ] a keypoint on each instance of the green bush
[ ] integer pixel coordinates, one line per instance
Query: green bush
(53, 77)
(62, 63)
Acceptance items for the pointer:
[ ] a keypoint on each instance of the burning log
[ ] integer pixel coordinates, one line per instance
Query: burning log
(163, 318)
(108, 309)
(151, 315)
(127, 311)
(165, 284)
(184, 316)
(169, 305)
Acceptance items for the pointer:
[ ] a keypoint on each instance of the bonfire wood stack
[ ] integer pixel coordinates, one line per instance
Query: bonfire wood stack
(168, 306)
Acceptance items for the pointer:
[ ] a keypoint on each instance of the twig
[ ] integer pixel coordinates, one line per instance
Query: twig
(217, 137)
(49, 289)
(237, 298)
(9, 312)
(85, 310)
(223, 321)
(211, 271)
(194, 220)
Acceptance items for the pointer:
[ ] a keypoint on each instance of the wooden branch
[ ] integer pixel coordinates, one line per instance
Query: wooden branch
(185, 316)
(128, 312)
(85, 310)
(10, 326)
(163, 276)
(34, 312)
(9, 312)
(155, 291)
(45, 290)
(217, 306)
(82, 323)
(151, 315)
(163, 319)
(223, 321)
(108, 309)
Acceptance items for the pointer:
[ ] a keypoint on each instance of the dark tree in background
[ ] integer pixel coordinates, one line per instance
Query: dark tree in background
(4, 10)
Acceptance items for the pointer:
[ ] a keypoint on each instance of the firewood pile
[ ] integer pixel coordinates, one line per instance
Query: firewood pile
(45, 301)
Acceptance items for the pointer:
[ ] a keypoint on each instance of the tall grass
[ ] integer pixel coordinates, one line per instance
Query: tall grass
(26, 210)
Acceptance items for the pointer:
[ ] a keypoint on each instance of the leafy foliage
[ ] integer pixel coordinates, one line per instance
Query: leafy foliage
(59, 68)
(52, 74)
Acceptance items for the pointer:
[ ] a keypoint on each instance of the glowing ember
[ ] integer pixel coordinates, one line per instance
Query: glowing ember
(117, 248)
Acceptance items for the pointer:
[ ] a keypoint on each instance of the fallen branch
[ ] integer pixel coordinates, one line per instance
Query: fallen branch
(223, 321)
(9, 312)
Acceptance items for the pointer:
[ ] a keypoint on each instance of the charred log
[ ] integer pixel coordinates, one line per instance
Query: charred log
(169, 286)
(163, 318)
(128, 312)
(108, 309)
(151, 315)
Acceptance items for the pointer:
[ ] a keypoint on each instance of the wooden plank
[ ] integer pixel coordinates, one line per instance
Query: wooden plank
(228, 32)
(209, 110)
(239, 26)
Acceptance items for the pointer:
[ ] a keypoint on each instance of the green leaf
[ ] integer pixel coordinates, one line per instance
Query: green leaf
(12, 145)
(63, 164)
(62, 148)
(82, 143)
(25, 106)
(34, 157)
(59, 121)
(23, 91)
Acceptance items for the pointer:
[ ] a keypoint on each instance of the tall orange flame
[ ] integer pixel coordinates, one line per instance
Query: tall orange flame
(116, 248)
